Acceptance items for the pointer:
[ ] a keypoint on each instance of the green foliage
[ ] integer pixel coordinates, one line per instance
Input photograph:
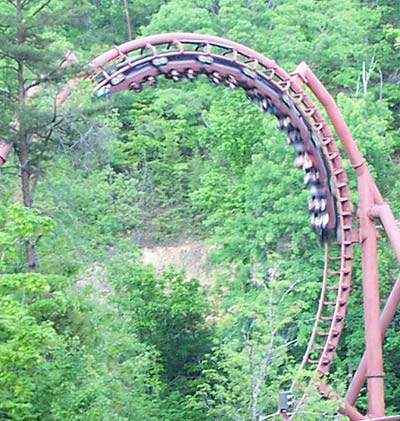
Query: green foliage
(32, 58)
(55, 364)
(162, 151)
(181, 16)
(178, 161)
(369, 122)
(94, 211)
(167, 312)
(330, 36)
(250, 360)
(19, 225)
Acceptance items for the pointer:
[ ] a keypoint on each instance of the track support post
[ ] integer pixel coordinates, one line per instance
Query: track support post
(277, 92)
(371, 297)
(369, 197)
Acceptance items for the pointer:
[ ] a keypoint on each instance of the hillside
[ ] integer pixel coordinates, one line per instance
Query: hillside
(156, 254)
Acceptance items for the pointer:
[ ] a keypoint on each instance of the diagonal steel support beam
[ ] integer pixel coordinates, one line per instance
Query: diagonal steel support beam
(387, 315)
(389, 223)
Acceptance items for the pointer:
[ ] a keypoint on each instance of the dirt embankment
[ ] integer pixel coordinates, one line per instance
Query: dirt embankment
(190, 255)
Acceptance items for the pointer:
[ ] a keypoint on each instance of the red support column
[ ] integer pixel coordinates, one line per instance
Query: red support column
(386, 317)
(390, 225)
(369, 196)
(373, 335)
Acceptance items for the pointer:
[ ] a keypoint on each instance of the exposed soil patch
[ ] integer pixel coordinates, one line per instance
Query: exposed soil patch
(190, 255)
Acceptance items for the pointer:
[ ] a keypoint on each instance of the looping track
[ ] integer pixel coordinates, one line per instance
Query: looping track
(181, 55)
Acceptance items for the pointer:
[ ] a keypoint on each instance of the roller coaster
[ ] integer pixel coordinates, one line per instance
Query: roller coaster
(179, 56)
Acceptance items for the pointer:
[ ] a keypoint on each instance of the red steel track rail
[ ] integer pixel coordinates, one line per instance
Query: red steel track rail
(371, 208)
(179, 56)
(182, 55)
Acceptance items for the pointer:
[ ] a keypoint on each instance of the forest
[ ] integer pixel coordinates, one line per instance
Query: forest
(87, 330)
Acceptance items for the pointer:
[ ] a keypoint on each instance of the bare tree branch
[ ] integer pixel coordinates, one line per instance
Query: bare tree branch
(9, 95)
(366, 74)
(8, 67)
(39, 9)
(12, 3)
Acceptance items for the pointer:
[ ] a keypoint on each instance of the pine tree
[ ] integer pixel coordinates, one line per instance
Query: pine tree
(32, 68)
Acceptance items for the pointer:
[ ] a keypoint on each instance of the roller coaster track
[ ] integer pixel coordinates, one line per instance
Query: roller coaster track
(178, 56)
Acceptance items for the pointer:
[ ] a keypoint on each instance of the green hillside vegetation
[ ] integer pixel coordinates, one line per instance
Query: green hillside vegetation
(89, 183)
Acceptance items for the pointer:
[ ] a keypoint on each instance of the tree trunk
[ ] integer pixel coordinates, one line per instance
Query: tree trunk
(26, 195)
(23, 140)
(128, 19)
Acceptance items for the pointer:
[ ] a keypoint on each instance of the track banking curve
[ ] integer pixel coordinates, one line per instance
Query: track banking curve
(181, 55)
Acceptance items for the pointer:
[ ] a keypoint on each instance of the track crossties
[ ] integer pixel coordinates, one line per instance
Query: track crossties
(138, 63)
